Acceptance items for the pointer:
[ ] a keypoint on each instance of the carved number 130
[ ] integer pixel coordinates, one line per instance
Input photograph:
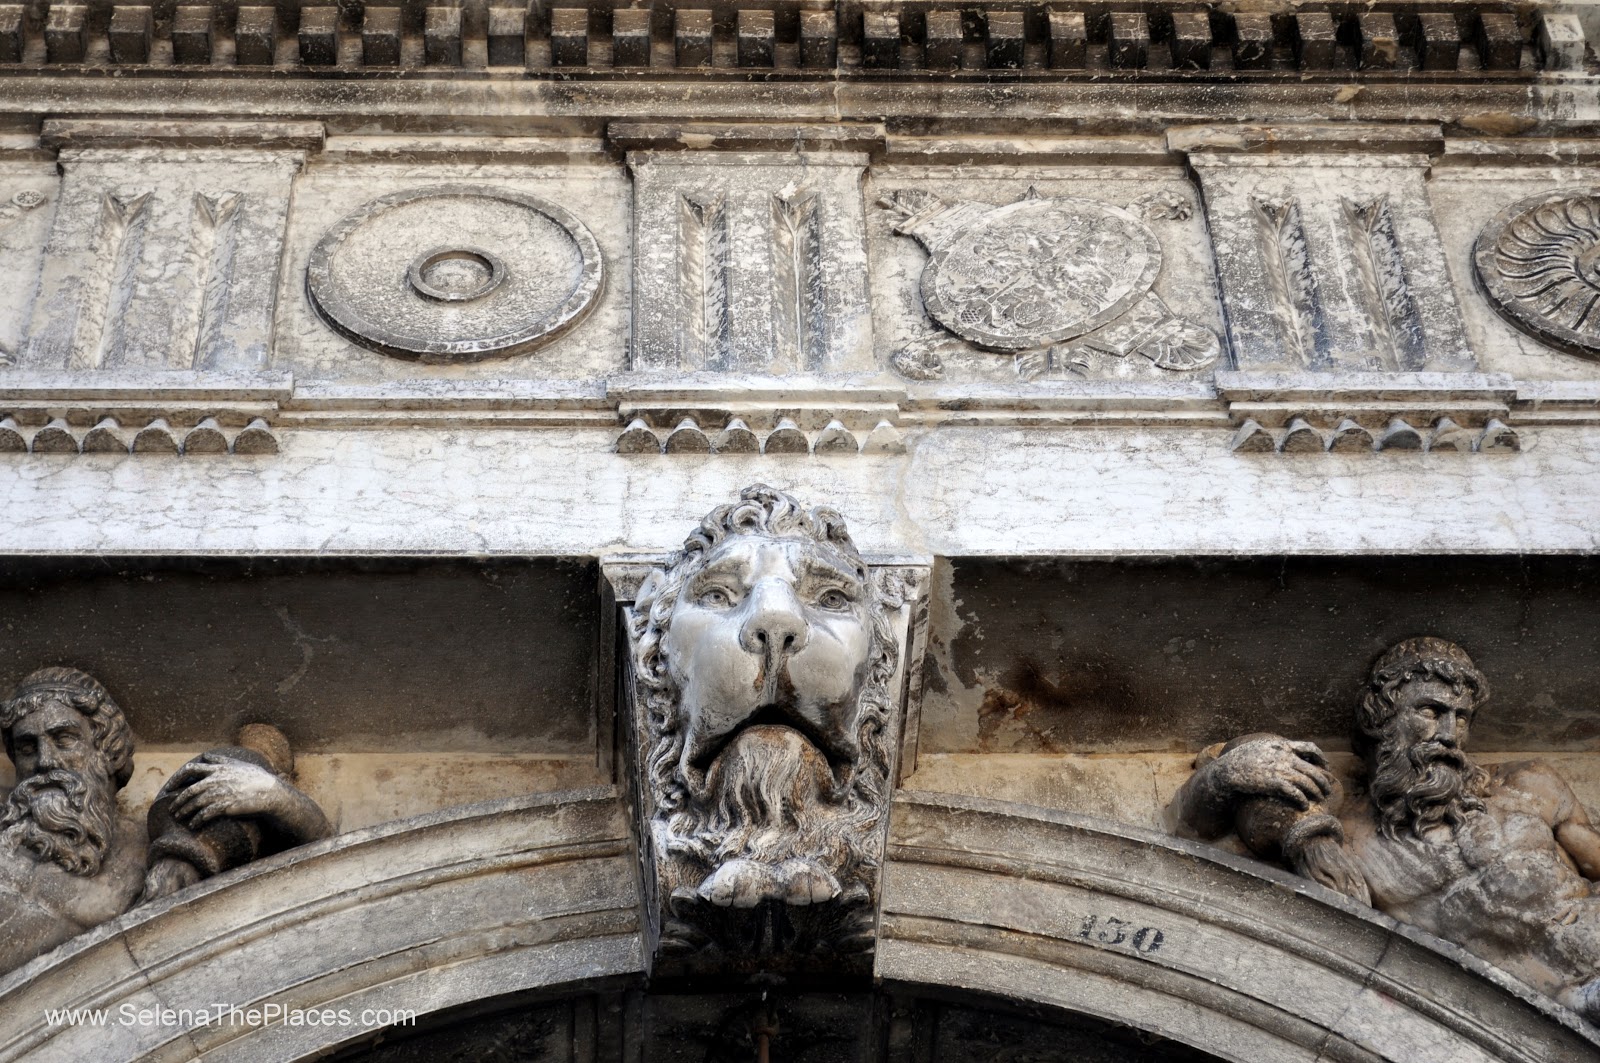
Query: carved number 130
(1114, 931)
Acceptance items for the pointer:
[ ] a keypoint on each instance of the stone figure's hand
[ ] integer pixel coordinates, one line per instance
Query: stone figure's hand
(220, 786)
(166, 877)
(1295, 772)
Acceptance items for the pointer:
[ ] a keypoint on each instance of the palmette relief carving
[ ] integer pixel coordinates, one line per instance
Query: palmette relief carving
(763, 656)
(799, 299)
(111, 280)
(12, 211)
(1290, 280)
(1501, 860)
(213, 254)
(1539, 263)
(70, 859)
(1397, 326)
(704, 265)
(1054, 281)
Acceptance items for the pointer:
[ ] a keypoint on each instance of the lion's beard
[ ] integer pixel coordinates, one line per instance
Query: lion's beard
(771, 796)
(64, 817)
(1425, 785)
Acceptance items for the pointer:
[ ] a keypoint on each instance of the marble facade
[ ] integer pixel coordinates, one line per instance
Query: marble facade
(363, 369)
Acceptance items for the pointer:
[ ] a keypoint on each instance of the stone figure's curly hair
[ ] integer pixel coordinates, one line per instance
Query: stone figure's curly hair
(1418, 658)
(112, 735)
(761, 510)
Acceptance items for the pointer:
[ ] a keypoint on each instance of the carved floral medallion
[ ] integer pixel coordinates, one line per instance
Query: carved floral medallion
(1029, 275)
(1539, 263)
(455, 273)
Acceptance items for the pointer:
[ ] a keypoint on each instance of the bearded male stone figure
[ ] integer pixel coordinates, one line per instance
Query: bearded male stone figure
(1501, 860)
(70, 859)
(762, 657)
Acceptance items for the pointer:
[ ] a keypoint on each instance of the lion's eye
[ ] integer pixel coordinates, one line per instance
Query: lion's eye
(715, 598)
(834, 600)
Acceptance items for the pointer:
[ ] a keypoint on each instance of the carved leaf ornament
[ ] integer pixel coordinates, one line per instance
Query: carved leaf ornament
(1539, 263)
(1290, 281)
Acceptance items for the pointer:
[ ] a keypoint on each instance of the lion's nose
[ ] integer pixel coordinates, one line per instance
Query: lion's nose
(774, 625)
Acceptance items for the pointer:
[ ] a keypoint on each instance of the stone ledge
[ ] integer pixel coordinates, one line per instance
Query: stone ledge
(1311, 137)
(864, 407)
(487, 102)
(1274, 399)
(126, 386)
(61, 134)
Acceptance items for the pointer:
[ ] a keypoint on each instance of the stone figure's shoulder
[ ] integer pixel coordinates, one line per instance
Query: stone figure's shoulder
(1538, 781)
(127, 857)
(1354, 807)
(90, 902)
(1354, 810)
(1530, 772)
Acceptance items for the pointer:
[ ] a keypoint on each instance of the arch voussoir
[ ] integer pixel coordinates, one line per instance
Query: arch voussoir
(1187, 942)
(416, 916)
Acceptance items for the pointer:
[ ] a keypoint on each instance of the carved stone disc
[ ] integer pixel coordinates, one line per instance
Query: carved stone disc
(455, 273)
(1539, 263)
(1040, 271)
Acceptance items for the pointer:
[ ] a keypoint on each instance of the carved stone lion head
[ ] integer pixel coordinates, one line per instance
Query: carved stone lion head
(763, 653)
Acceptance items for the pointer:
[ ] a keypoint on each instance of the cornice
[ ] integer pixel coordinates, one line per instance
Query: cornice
(998, 40)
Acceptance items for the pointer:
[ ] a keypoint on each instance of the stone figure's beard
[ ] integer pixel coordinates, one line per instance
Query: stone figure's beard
(1421, 786)
(63, 817)
(771, 795)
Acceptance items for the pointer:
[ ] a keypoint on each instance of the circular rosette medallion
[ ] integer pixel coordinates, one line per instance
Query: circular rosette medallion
(1040, 271)
(1539, 262)
(455, 273)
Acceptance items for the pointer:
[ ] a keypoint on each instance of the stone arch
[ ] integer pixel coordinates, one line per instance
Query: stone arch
(423, 914)
(1188, 942)
(1003, 900)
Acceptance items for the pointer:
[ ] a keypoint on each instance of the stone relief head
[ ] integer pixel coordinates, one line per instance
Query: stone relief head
(1414, 719)
(764, 656)
(73, 750)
